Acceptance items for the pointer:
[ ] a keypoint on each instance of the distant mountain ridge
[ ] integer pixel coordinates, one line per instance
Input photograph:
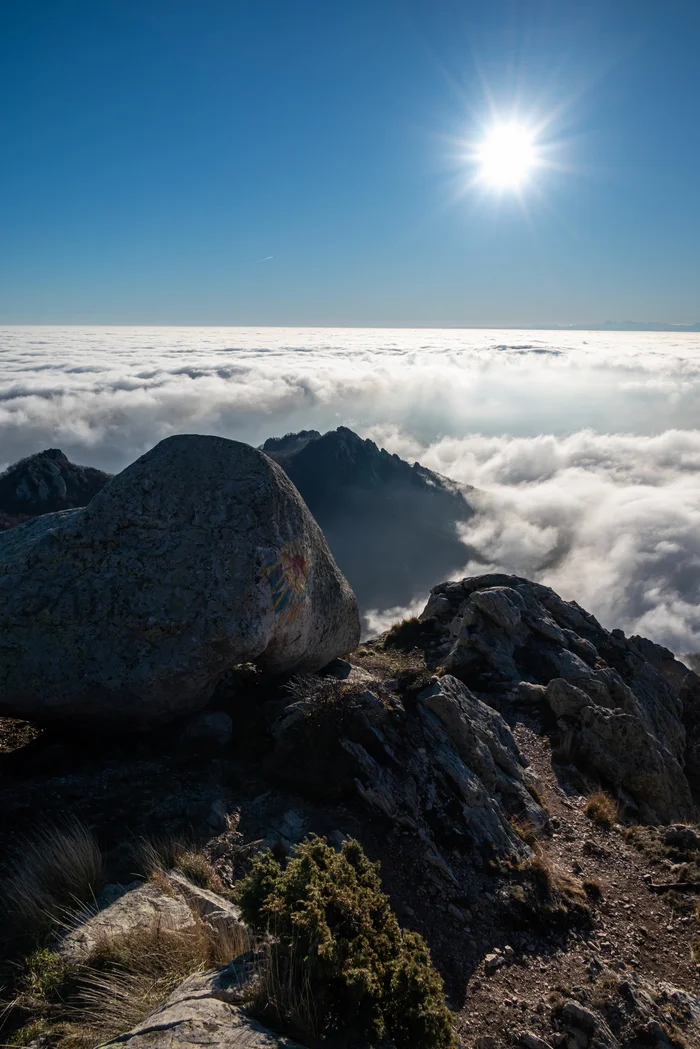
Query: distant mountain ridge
(44, 483)
(392, 526)
(630, 326)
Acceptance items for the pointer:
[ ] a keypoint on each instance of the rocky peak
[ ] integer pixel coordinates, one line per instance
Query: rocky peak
(339, 456)
(278, 447)
(46, 482)
(392, 526)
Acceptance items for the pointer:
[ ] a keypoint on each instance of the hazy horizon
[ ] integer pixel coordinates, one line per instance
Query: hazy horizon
(680, 327)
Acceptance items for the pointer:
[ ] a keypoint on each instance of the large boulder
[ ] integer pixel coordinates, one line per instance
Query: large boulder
(199, 556)
(622, 703)
(124, 911)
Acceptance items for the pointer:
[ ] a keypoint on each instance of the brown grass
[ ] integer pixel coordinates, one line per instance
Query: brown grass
(541, 892)
(154, 856)
(15, 733)
(525, 829)
(283, 996)
(128, 975)
(408, 667)
(406, 634)
(603, 809)
(565, 747)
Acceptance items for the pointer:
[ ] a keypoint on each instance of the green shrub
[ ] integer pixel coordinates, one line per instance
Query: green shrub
(337, 940)
(31, 1031)
(44, 976)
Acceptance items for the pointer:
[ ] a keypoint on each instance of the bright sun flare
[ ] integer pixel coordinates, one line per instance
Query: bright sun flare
(507, 156)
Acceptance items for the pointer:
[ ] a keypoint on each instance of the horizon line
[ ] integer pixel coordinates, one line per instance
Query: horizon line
(659, 327)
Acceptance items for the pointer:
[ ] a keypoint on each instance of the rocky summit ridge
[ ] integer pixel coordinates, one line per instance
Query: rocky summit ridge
(526, 779)
(406, 514)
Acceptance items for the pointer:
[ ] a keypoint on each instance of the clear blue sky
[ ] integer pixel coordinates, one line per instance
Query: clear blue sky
(153, 152)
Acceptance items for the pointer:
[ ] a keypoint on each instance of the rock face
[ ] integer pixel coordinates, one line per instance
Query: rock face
(44, 483)
(202, 1011)
(619, 713)
(392, 525)
(199, 556)
(176, 906)
(449, 771)
(123, 910)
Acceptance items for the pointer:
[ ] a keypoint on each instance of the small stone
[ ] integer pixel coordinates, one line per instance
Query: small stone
(493, 961)
(582, 1017)
(532, 1041)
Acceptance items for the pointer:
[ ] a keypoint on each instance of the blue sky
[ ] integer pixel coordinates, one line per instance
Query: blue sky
(153, 153)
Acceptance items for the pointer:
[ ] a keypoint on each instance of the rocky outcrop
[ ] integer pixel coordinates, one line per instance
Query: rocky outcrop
(45, 483)
(171, 904)
(121, 911)
(391, 525)
(448, 770)
(623, 1013)
(199, 556)
(204, 1011)
(508, 637)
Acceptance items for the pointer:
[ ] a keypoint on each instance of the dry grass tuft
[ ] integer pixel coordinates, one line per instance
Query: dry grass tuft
(603, 809)
(406, 634)
(282, 993)
(542, 892)
(126, 977)
(565, 748)
(407, 667)
(593, 889)
(56, 870)
(525, 829)
(155, 856)
(129, 975)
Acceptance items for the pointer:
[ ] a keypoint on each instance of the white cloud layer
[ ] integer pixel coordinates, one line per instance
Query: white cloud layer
(583, 444)
(610, 520)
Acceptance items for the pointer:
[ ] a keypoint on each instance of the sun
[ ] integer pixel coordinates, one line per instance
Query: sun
(507, 156)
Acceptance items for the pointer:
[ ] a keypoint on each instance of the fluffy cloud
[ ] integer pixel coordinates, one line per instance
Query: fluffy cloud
(610, 520)
(106, 395)
(594, 490)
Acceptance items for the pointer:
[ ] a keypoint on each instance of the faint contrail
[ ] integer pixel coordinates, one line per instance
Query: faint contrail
(266, 259)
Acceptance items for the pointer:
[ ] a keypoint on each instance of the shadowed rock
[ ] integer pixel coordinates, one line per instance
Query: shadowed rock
(45, 483)
(449, 770)
(623, 717)
(199, 556)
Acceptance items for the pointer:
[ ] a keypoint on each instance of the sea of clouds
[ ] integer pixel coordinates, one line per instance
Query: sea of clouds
(582, 446)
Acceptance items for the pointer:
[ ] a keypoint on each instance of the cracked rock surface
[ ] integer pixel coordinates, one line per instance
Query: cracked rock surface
(624, 705)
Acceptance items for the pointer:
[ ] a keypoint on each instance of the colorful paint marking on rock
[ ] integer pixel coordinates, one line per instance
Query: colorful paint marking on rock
(288, 576)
